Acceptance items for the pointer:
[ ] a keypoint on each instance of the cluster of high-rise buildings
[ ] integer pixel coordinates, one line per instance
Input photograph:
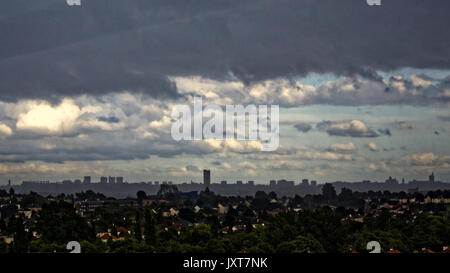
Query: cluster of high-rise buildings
(272, 183)
(111, 180)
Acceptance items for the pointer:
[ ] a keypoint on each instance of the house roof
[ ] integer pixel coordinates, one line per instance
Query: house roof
(122, 229)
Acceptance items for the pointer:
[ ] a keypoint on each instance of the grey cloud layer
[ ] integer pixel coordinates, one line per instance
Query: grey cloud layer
(303, 127)
(354, 128)
(49, 49)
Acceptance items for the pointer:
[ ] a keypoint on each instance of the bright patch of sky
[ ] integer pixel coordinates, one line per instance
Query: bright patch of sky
(316, 79)
(427, 133)
(437, 74)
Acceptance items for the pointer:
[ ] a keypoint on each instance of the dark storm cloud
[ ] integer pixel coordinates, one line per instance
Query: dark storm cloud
(109, 119)
(303, 127)
(50, 49)
(385, 132)
(192, 168)
(405, 125)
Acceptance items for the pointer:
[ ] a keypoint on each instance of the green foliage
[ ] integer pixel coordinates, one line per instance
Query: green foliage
(21, 241)
(149, 228)
(3, 246)
(41, 246)
(314, 230)
(59, 222)
(141, 195)
(129, 245)
(328, 192)
(90, 195)
(301, 244)
(93, 247)
(138, 227)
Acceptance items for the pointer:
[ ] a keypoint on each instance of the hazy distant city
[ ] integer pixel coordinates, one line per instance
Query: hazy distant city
(120, 188)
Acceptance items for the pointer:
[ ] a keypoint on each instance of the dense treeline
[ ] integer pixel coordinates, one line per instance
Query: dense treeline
(319, 230)
(313, 223)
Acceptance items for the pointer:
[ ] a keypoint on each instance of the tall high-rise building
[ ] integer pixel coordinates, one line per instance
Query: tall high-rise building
(391, 180)
(207, 178)
(431, 177)
(119, 179)
(87, 180)
(103, 179)
(111, 180)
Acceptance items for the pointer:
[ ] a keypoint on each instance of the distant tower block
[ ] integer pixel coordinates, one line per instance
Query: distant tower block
(9, 182)
(207, 178)
(119, 179)
(111, 180)
(87, 180)
(431, 177)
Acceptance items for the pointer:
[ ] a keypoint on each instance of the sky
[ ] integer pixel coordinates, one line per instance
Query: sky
(363, 91)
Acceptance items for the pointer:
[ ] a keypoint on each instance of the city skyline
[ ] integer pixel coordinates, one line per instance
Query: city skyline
(120, 188)
(206, 180)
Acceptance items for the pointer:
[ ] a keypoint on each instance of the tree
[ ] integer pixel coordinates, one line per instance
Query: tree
(128, 245)
(248, 226)
(187, 214)
(346, 196)
(2, 224)
(200, 234)
(58, 222)
(301, 244)
(3, 246)
(21, 241)
(141, 195)
(214, 223)
(137, 227)
(272, 195)
(328, 192)
(41, 246)
(150, 227)
(93, 247)
(231, 218)
(261, 200)
(297, 200)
